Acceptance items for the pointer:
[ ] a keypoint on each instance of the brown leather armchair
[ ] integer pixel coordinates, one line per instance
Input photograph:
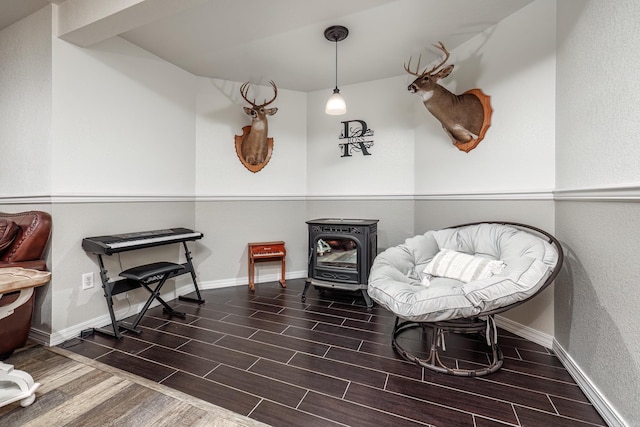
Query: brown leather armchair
(23, 240)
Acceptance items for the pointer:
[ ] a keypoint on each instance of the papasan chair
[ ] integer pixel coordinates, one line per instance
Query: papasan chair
(457, 279)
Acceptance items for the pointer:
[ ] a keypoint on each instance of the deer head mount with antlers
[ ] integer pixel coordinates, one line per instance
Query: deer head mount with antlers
(465, 118)
(253, 147)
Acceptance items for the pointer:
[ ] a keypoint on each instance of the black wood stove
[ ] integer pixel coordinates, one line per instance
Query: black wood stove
(341, 252)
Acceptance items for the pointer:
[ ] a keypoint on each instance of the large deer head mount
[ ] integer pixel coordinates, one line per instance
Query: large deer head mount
(253, 147)
(465, 118)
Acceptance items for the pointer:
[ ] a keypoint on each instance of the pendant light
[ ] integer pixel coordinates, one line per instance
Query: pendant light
(336, 105)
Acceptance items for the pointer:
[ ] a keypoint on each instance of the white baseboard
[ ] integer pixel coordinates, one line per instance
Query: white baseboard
(241, 281)
(526, 332)
(597, 399)
(39, 336)
(58, 337)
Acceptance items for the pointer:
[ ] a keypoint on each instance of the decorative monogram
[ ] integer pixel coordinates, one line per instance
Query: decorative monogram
(356, 138)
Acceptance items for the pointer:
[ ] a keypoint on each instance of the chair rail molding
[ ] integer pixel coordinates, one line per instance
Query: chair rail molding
(611, 193)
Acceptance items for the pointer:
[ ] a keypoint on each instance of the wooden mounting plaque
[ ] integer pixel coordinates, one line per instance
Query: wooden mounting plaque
(252, 168)
(485, 100)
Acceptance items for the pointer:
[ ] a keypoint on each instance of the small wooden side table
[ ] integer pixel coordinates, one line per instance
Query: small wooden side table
(266, 251)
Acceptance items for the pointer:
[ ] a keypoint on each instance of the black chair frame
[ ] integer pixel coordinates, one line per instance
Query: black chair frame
(483, 323)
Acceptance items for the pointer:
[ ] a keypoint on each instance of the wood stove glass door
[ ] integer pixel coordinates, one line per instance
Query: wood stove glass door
(337, 252)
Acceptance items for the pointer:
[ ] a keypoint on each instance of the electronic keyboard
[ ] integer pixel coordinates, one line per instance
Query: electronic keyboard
(110, 244)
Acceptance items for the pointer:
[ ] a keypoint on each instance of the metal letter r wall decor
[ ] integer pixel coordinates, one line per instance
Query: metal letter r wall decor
(356, 136)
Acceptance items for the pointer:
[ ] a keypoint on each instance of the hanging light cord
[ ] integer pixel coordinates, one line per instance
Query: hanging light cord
(336, 89)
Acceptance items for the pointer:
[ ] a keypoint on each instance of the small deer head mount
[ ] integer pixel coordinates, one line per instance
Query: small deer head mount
(465, 118)
(253, 147)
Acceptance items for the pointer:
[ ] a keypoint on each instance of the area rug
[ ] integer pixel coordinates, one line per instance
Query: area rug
(78, 391)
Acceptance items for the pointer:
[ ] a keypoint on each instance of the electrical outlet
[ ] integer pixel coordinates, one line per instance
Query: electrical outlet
(87, 281)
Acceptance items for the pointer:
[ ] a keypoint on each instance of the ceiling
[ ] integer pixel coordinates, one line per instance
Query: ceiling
(283, 40)
(14, 10)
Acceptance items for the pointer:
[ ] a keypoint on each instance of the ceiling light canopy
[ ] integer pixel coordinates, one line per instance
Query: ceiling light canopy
(336, 104)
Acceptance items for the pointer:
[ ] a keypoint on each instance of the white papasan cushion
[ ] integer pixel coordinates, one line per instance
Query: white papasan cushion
(529, 260)
(496, 241)
(394, 281)
(521, 279)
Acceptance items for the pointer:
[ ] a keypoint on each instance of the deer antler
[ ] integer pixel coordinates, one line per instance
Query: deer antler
(244, 89)
(417, 73)
(446, 56)
(275, 94)
(407, 67)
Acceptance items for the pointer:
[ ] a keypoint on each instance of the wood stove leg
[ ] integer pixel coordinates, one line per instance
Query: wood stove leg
(307, 283)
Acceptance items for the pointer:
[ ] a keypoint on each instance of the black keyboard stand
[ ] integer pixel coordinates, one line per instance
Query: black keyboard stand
(125, 284)
(189, 268)
(145, 275)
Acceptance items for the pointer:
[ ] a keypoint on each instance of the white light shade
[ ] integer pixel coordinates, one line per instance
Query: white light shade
(335, 105)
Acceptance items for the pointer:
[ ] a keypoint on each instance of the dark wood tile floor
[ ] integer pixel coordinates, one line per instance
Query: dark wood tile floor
(329, 361)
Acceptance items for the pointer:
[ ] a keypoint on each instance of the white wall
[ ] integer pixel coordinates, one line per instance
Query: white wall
(25, 123)
(25, 106)
(220, 117)
(123, 130)
(123, 122)
(123, 125)
(597, 296)
(236, 206)
(413, 155)
(514, 63)
(598, 128)
(517, 156)
(386, 109)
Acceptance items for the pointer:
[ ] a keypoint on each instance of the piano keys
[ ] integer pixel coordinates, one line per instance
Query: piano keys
(266, 251)
(116, 243)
